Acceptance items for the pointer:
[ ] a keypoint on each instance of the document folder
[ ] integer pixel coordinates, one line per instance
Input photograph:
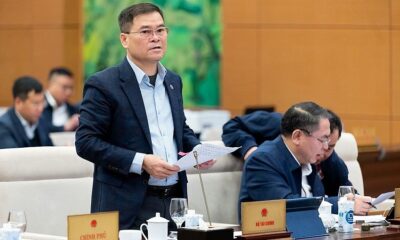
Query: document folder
(302, 217)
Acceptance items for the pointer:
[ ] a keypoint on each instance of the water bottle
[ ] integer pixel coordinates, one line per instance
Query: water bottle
(346, 211)
(9, 233)
(192, 220)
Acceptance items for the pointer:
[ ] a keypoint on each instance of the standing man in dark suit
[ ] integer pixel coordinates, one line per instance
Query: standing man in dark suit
(20, 125)
(132, 125)
(58, 113)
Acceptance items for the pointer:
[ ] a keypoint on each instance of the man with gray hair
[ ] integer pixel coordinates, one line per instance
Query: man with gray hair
(132, 125)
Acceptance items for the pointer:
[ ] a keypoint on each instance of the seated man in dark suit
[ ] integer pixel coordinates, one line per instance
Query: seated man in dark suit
(58, 113)
(283, 162)
(20, 125)
(252, 129)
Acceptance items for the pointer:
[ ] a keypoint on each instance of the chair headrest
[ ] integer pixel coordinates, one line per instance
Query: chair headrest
(346, 147)
(36, 163)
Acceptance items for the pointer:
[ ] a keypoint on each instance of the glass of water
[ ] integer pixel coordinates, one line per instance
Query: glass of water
(178, 209)
(346, 191)
(17, 219)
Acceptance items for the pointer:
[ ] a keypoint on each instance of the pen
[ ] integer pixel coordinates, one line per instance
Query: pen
(369, 203)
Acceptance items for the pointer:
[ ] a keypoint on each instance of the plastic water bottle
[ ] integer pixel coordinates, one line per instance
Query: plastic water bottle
(346, 212)
(192, 220)
(9, 233)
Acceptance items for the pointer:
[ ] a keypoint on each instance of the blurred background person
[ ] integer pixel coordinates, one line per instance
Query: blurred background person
(58, 113)
(20, 125)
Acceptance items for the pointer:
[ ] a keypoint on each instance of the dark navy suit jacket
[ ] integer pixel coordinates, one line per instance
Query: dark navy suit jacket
(113, 126)
(271, 172)
(253, 129)
(12, 133)
(47, 116)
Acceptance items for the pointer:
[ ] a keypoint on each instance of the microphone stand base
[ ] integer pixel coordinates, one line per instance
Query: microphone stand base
(209, 234)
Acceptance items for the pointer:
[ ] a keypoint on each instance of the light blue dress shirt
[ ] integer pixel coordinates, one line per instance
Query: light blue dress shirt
(159, 117)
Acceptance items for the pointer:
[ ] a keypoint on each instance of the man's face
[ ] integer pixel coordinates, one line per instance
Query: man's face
(314, 144)
(31, 108)
(142, 49)
(333, 138)
(61, 88)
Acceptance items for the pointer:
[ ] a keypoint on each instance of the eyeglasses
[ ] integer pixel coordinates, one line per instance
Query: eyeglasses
(148, 33)
(323, 140)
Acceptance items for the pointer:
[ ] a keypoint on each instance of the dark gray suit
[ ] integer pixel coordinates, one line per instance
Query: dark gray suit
(113, 127)
(12, 133)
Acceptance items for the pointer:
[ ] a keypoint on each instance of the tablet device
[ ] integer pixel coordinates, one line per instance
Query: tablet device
(302, 217)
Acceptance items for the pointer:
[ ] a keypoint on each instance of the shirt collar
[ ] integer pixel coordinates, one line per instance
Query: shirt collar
(25, 123)
(50, 99)
(291, 152)
(305, 168)
(141, 76)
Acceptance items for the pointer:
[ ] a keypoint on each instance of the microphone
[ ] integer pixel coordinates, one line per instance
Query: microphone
(202, 189)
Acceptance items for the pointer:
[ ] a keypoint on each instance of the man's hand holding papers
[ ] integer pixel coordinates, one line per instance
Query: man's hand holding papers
(205, 153)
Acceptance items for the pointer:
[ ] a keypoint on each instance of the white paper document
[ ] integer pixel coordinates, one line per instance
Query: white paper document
(368, 219)
(382, 198)
(204, 152)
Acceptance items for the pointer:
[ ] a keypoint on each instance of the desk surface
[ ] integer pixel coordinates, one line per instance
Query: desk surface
(374, 233)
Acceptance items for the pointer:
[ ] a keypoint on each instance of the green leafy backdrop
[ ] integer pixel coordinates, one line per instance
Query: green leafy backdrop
(194, 43)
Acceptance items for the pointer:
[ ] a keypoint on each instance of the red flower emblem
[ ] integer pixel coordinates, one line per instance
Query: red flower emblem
(93, 223)
(264, 212)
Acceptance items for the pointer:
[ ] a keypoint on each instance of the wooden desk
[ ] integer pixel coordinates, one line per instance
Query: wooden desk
(374, 233)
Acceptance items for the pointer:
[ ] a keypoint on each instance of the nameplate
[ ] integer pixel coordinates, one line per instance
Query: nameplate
(96, 226)
(397, 203)
(263, 216)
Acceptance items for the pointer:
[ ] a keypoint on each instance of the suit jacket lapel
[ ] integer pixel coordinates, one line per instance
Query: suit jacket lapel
(131, 89)
(172, 92)
(292, 165)
(18, 130)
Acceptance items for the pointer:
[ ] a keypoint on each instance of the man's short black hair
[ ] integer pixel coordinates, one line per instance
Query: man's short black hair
(60, 71)
(125, 18)
(304, 115)
(24, 85)
(335, 122)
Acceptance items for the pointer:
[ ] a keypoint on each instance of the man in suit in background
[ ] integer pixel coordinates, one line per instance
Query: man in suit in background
(58, 113)
(132, 125)
(20, 125)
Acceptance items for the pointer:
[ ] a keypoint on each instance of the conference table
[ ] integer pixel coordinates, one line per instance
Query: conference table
(38, 236)
(375, 233)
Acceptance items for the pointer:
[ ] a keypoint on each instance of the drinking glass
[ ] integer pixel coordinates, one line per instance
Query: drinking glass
(17, 219)
(346, 191)
(178, 209)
